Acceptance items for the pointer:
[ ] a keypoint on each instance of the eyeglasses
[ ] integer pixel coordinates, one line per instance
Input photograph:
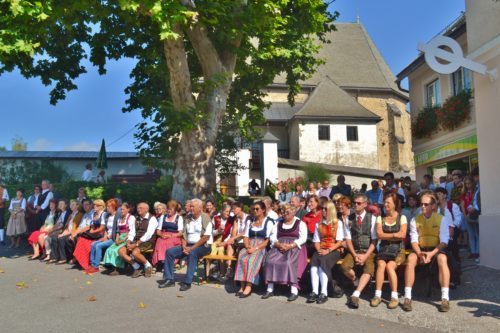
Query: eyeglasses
(425, 204)
(358, 202)
(256, 209)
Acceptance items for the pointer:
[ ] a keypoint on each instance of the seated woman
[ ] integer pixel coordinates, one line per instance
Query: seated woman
(391, 231)
(111, 218)
(37, 238)
(251, 257)
(327, 241)
(59, 224)
(222, 225)
(81, 255)
(169, 231)
(59, 252)
(16, 227)
(287, 259)
(311, 219)
(112, 259)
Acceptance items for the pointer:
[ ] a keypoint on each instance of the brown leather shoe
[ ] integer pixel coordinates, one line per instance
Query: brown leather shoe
(148, 271)
(407, 305)
(137, 273)
(375, 301)
(353, 302)
(445, 305)
(114, 273)
(393, 303)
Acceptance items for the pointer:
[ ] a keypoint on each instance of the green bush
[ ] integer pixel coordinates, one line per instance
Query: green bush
(316, 173)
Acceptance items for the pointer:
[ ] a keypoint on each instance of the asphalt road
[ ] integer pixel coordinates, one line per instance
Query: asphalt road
(52, 298)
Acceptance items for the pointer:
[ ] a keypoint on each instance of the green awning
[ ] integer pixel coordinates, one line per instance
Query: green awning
(451, 149)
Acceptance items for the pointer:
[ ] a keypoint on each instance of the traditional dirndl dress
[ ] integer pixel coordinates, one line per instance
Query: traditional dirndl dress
(84, 245)
(248, 265)
(16, 225)
(286, 268)
(162, 245)
(327, 237)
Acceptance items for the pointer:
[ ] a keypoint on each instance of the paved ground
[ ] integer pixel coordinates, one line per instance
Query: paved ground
(56, 299)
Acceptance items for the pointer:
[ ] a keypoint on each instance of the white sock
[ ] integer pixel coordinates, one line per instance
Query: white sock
(378, 293)
(136, 265)
(294, 290)
(445, 293)
(408, 292)
(324, 281)
(147, 264)
(356, 293)
(2, 232)
(314, 279)
(270, 287)
(394, 295)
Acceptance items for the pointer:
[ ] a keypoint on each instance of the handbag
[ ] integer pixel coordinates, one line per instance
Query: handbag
(91, 235)
(389, 251)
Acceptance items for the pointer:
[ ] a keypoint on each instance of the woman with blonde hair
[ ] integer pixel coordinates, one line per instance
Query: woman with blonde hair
(327, 241)
(169, 230)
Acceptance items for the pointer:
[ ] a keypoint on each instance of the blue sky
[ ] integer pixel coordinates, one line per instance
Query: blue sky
(94, 112)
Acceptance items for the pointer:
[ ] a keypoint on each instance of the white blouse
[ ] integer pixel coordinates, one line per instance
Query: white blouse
(17, 201)
(302, 233)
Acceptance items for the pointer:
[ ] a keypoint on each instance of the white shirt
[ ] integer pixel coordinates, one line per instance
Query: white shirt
(49, 197)
(86, 219)
(16, 201)
(454, 219)
(109, 224)
(302, 232)
(339, 236)
(444, 232)
(153, 224)
(5, 195)
(269, 228)
(373, 230)
(242, 226)
(180, 222)
(272, 214)
(87, 175)
(194, 228)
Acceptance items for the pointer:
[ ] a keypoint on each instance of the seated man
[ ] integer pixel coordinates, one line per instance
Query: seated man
(139, 241)
(429, 237)
(196, 243)
(361, 238)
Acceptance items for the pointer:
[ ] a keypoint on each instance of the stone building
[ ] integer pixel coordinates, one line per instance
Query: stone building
(349, 113)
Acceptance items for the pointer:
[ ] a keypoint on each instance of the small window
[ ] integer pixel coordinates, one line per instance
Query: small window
(352, 133)
(324, 132)
(433, 93)
(460, 80)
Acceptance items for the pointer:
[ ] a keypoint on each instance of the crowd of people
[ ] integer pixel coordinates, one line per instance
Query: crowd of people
(308, 239)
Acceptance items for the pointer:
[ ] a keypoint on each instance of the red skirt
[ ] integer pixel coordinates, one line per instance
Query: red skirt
(162, 245)
(82, 252)
(33, 238)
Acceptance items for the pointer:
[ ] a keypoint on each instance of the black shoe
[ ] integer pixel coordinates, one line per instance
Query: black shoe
(322, 298)
(292, 297)
(243, 295)
(238, 293)
(337, 292)
(166, 283)
(267, 295)
(184, 287)
(312, 298)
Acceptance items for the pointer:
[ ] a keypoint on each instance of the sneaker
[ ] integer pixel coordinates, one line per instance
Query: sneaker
(137, 273)
(148, 271)
(407, 305)
(353, 302)
(375, 301)
(445, 306)
(393, 303)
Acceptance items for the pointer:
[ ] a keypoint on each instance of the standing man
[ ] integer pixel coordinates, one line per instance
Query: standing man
(196, 243)
(140, 239)
(429, 238)
(4, 197)
(87, 174)
(361, 239)
(375, 195)
(42, 206)
(341, 187)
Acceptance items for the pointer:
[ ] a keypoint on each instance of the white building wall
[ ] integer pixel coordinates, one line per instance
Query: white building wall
(337, 150)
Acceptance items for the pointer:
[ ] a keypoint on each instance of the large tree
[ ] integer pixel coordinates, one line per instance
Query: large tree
(201, 65)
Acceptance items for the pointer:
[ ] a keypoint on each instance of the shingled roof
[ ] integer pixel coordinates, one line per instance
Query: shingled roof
(353, 61)
(328, 100)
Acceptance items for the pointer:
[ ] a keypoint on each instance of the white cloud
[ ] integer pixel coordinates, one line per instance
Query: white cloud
(82, 146)
(42, 144)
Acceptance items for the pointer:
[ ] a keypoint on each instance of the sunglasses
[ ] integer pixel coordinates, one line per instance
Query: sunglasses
(358, 202)
(256, 209)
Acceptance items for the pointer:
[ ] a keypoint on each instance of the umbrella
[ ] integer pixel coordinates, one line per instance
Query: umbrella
(102, 159)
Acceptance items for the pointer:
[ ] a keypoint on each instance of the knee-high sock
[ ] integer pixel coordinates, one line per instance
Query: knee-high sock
(324, 281)
(315, 279)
